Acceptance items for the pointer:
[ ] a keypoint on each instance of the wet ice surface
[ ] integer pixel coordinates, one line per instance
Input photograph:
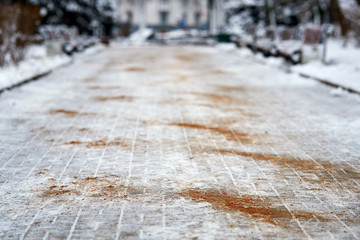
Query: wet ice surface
(178, 143)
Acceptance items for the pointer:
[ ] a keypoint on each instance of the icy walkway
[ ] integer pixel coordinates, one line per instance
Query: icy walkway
(178, 143)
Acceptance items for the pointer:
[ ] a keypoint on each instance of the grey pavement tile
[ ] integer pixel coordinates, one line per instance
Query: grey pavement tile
(178, 143)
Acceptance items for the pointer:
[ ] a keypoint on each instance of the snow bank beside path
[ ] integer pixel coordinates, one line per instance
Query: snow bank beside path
(140, 37)
(36, 62)
(343, 66)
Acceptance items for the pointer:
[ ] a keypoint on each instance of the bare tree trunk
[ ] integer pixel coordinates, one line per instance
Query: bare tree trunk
(267, 12)
(17, 25)
(270, 13)
(340, 17)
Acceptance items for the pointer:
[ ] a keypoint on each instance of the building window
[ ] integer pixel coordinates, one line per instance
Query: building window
(129, 15)
(197, 19)
(164, 18)
(183, 21)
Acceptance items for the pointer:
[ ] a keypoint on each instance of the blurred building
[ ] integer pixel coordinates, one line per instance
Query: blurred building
(164, 14)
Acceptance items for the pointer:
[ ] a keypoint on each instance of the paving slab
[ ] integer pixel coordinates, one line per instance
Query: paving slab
(178, 143)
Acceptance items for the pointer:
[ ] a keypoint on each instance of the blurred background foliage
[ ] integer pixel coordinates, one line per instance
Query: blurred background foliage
(21, 19)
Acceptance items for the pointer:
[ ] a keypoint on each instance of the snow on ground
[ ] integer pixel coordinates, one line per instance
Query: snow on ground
(343, 66)
(36, 62)
(139, 37)
(177, 143)
(249, 54)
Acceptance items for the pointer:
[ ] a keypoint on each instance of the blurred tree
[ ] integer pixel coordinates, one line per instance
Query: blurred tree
(344, 13)
(320, 11)
(92, 17)
(18, 23)
(339, 16)
(270, 12)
